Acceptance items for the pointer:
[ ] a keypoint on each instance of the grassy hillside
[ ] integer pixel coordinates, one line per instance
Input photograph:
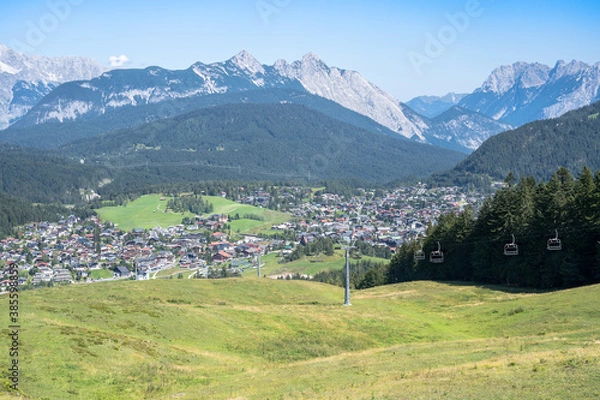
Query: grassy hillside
(306, 265)
(260, 338)
(148, 212)
(250, 226)
(145, 212)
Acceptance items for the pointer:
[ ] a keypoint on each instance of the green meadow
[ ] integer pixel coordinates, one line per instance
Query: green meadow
(247, 226)
(307, 265)
(101, 273)
(148, 212)
(172, 273)
(251, 338)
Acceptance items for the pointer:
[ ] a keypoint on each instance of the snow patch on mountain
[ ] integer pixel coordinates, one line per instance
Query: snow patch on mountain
(7, 69)
(210, 86)
(70, 111)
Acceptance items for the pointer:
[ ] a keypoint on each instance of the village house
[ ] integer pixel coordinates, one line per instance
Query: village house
(62, 276)
(121, 272)
(221, 257)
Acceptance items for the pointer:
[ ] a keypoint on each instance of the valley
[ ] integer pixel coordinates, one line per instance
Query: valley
(178, 222)
(149, 235)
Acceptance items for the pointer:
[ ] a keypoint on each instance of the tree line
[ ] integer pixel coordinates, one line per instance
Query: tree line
(534, 213)
(556, 230)
(570, 140)
(194, 204)
(364, 274)
(15, 211)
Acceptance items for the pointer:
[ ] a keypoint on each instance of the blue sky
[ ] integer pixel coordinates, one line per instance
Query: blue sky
(407, 48)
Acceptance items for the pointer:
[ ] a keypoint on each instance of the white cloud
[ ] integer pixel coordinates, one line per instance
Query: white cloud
(118, 61)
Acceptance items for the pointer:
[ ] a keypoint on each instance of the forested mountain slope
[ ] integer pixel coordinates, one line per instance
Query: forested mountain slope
(260, 141)
(540, 147)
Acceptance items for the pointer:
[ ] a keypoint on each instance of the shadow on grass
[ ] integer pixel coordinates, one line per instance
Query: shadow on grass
(500, 288)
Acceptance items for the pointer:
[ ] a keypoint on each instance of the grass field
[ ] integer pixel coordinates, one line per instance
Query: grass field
(165, 273)
(101, 273)
(147, 212)
(248, 226)
(267, 339)
(305, 265)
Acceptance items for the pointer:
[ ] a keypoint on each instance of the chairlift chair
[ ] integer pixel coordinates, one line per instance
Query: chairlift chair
(511, 249)
(554, 243)
(419, 254)
(437, 256)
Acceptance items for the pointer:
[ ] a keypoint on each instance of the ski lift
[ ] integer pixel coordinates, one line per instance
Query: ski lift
(419, 254)
(511, 249)
(437, 257)
(554, 243)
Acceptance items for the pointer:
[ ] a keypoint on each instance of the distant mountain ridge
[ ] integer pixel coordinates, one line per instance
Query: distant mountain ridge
(523, 92)
(448, 129)
(539, 148)
(41, 110)
(153, 85)
(109, 100)
(52, 135)
(25, 80)
(432, 106)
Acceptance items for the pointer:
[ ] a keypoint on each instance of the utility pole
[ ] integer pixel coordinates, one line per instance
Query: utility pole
(347, 288)
(259, 261)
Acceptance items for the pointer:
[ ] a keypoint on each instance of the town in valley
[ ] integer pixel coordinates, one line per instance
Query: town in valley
(74, 250)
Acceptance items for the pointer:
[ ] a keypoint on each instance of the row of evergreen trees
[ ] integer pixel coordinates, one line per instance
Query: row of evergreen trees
(473, 246)
(194, 204)
(15, 211)
(364, 274)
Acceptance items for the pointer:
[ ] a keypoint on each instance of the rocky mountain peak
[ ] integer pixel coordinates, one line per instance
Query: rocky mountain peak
(246, 61)
(524, 92)
(40, 74)
(526, 75)
(562, 69)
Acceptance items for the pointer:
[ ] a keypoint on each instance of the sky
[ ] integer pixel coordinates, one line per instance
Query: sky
(407, 48)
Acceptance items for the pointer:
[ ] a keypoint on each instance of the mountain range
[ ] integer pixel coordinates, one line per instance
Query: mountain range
(432, 106)
(129, 88)
(539, 148)
(162, 92)
(42, 111)
(25, 80)
(259, 141)
(523, 92)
